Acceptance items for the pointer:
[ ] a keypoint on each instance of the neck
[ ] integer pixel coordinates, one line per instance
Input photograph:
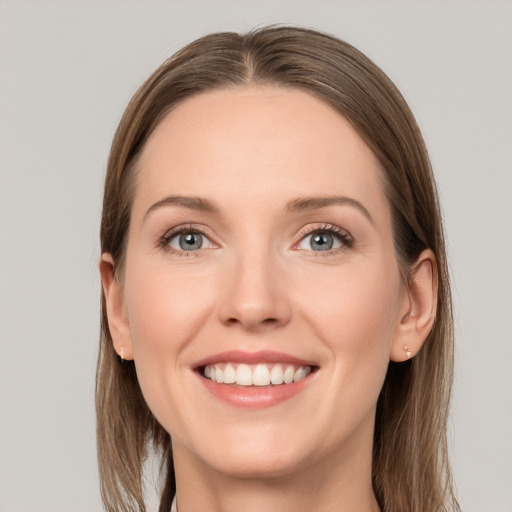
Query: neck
(337, 483)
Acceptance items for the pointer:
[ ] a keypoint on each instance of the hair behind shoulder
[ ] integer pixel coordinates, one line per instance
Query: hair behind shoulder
(411, 471)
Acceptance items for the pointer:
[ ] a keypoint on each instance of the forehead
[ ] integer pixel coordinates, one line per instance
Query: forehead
(266, 142)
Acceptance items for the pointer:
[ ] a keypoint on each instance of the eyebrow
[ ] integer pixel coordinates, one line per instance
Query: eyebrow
(298, 204)
(316, 203)
(191, 203)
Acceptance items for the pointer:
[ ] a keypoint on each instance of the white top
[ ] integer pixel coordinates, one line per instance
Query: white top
(174, 508)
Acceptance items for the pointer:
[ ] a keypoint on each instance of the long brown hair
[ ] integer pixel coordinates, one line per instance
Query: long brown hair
(410, 463)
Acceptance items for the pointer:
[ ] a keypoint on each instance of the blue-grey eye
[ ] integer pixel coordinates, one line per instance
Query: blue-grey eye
(188, 241)
(320, 241)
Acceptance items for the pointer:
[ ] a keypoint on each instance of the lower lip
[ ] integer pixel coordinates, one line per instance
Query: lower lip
(255, 397)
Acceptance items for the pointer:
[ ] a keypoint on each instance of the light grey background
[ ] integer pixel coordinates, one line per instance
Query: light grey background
(68, 69)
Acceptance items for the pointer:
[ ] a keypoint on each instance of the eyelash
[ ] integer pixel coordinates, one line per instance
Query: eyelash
(172, 233)
(346, 240)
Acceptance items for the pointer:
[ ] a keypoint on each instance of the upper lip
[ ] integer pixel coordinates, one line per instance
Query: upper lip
(262, 356)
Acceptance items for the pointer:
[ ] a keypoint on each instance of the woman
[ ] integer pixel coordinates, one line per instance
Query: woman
(276, 316)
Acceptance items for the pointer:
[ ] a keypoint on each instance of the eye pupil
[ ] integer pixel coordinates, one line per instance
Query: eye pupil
(322, 242)
(190, 241)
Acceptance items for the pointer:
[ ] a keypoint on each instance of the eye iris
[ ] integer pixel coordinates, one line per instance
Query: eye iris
(190, 241)
(322, 241)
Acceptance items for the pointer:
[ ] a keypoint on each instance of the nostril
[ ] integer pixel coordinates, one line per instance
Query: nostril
(253, 323)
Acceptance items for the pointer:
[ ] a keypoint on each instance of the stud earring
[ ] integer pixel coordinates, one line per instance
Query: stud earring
(407, 352)
(120, 355)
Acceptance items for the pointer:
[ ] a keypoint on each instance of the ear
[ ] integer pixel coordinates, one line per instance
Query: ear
(115, 308)
(419, 310)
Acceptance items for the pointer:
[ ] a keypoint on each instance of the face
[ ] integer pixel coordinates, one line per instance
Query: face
(260, 253)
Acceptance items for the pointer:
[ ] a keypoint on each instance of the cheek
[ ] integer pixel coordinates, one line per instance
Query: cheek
(354, 316)
(359, 299)
(165, 310)
(355, 312)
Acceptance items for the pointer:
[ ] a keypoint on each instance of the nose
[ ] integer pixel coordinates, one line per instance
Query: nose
(255, 295)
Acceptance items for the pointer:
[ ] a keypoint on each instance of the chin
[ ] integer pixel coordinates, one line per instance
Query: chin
(260, 464)
(251, 454)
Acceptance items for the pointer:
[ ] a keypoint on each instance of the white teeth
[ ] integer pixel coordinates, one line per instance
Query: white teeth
(229, 374)
(288, 375)
(261, 376)
(276, 375)
(258, 375)
(299, 374)
(243, 375)
(219, 375)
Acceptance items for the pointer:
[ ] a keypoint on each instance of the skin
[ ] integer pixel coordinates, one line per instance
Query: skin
(258, 285)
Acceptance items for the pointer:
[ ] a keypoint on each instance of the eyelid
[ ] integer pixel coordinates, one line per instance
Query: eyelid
(186, 228)
(346, 239)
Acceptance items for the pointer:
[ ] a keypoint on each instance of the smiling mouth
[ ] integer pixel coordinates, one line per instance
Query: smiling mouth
(255, 375)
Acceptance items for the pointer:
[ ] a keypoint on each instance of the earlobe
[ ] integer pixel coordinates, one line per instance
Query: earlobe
(417, 318)
(115, 308)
